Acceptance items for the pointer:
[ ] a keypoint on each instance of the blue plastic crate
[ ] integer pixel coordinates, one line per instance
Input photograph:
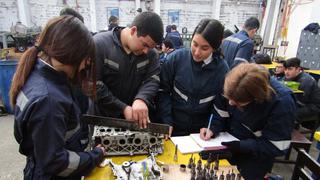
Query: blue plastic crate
(7, 70)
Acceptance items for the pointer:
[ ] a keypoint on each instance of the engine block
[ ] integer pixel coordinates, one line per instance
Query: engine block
(125, 142)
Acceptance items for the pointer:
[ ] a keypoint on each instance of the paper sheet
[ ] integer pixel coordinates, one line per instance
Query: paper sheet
(186, 144)
(214, 142)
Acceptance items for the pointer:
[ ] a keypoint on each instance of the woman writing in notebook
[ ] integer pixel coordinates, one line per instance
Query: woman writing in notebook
(261, 116)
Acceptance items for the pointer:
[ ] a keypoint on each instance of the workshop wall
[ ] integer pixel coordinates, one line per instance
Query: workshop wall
(8, 14)
(183, 13)
(302, 15)
(235, 12)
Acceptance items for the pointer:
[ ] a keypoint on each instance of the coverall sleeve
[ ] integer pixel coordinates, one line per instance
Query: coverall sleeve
(244, 53)
(165, 90)
(275, 137)
(221, 115)
(48, 128)
(150, 85)
(105, 99)
(311, 95)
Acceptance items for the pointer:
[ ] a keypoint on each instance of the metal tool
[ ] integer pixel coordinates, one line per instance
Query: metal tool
(238, 176)
(125, 124)
(233, 175)
(216, 163)
(175, 157)
(199, 164)
(221, 177)
(190, 161)
(228, 176)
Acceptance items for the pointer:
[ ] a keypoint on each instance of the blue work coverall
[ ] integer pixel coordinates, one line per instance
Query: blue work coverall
(189, 90)
(125, 77)
(175, 38)
(264, 130)
(308, 102)
(48, 129)
(237, 48)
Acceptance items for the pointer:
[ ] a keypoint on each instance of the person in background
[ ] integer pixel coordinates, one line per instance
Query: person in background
(166, 49)
(308, 102)
(128, 68)
(174, 37)
(168, 30)
(261, 59)
(261, 115)
(71, 12)
(238, 47)
(47, 122)
(191, 81)
(279, 71)
(227, 33)
(113, 22)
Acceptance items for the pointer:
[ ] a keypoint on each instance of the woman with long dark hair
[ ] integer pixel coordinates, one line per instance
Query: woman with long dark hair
(191, 81)
(47, 119)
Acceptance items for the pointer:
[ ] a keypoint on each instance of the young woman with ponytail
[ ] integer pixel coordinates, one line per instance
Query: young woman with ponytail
(192, 80)
(47, 119)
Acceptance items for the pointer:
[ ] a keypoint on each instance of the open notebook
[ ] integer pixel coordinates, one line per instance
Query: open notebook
(194, 144)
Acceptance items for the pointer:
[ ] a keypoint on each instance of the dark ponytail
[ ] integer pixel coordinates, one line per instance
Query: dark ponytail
(25, 66)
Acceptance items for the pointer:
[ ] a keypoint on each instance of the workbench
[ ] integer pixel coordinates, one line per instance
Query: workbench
(166, 157)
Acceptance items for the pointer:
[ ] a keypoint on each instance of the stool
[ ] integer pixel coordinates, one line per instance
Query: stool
(298, 141)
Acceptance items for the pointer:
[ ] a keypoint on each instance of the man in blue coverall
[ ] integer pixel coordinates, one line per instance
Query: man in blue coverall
(128, 68)
(238, 47)
(308, 102)
(174, 37)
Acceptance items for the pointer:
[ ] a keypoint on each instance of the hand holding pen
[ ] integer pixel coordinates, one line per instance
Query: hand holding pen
(206, 133)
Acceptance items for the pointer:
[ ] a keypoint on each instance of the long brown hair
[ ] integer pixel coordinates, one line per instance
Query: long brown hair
(66, 39)
(247, 83)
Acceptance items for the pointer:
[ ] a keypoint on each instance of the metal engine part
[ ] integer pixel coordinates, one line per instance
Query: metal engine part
(125, 142)
(136, 170)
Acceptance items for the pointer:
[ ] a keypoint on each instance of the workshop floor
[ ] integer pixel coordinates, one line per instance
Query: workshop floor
(12, 163)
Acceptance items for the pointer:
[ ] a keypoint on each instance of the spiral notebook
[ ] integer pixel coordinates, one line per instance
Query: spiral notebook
(194, 144)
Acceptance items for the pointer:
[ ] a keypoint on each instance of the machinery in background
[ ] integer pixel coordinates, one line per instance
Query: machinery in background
(23, 36)
(257, 41)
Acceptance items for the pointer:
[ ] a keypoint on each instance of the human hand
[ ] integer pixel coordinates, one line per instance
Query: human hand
(127, 112)
(167, 136)
(140, 113)
(102, 149)
(205, 134)
(233, 146)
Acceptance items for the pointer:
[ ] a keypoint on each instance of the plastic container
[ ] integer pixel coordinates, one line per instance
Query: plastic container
(7, 69)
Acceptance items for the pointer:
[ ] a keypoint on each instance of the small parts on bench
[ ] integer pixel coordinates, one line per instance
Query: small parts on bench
(136, 170)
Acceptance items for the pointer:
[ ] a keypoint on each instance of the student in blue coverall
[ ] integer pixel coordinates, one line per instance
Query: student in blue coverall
(279, 71)
(166, 49)
(261, 116)
(47, 119)
(128, 68)
(191, 80)
(238, 47)
(308, 102)
(174, 37)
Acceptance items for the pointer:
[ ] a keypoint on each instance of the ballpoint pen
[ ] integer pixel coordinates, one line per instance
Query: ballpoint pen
(210, 120)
